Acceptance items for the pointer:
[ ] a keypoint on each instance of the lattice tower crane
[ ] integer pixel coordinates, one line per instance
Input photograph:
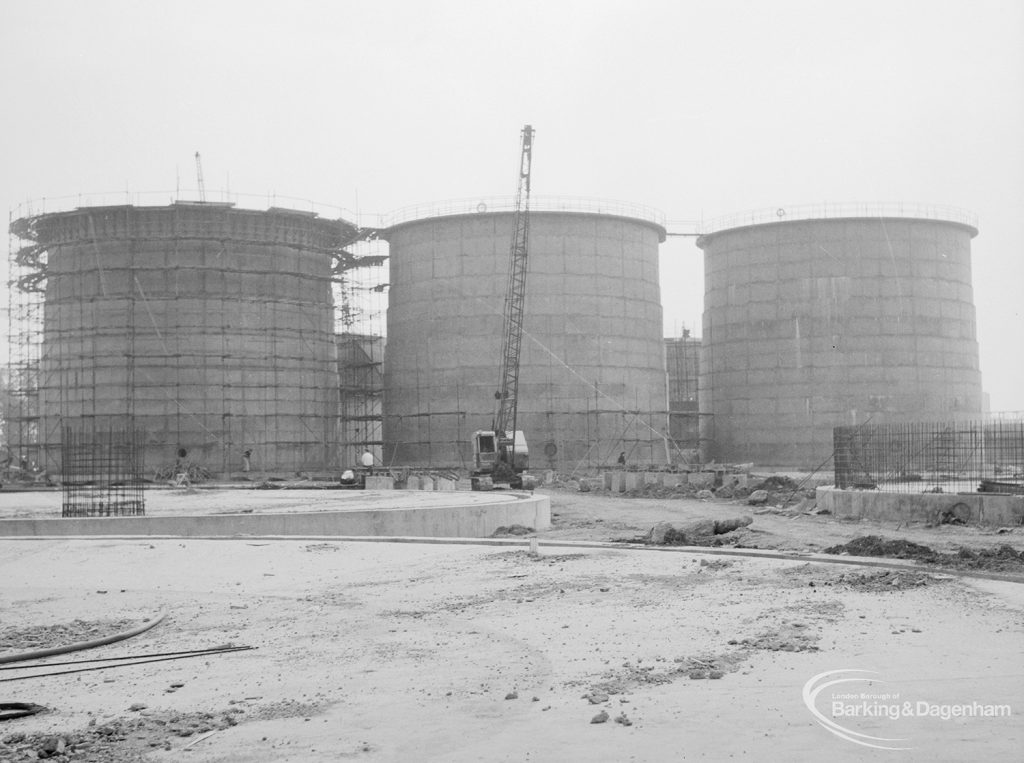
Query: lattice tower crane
(199, 177)
(515, 294)
(502, 452)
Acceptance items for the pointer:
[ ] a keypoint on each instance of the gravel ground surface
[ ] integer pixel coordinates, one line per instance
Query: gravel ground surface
(388, 651)
(599, 515)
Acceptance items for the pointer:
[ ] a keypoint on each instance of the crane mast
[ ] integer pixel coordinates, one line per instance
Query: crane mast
(515, 299)
(199, 177)
(501, 454)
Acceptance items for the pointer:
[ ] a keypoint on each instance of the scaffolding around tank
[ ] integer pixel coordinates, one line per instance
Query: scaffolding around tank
(211, 327)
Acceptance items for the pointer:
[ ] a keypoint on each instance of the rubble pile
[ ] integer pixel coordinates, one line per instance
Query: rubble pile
(700, 532)
(15, 639)
(789, 637)
(1002, 558)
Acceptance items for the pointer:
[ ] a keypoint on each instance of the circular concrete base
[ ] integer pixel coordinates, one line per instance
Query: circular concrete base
(226, 513)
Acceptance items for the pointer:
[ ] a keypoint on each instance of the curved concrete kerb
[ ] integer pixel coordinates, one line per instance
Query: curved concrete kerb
(465, 516)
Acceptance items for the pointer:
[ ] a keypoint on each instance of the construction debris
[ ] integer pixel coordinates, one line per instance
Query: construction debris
(998, 559)
(680, 534)
(512, 531)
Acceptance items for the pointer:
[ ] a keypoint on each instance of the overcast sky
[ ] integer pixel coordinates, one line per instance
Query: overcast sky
(700, 109)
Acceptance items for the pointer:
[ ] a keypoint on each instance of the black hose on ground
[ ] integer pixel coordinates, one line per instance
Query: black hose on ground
(128, 664)
(80, 645)
(121, 658)
(11, 710)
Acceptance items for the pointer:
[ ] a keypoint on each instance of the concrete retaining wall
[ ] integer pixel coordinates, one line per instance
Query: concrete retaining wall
(675, 479)
(928, 508)
(634, 480)
(622, 481)
(702, 479)
(471, 521)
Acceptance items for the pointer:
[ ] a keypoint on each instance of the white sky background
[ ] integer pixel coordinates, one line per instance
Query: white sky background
(700, 109)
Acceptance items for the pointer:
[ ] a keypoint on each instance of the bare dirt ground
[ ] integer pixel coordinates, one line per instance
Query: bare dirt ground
(604, 516)
(400, 652)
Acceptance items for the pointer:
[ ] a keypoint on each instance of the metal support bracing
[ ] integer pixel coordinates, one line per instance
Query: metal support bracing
(360, 280)
(515, 296)
(27, 282)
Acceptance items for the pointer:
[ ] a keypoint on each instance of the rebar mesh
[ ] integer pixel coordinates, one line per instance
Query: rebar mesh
(967, 456)
(102, 472)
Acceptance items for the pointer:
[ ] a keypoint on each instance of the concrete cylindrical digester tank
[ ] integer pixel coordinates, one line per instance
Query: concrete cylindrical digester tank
(592, 375)
(826, 321)
(212, 326)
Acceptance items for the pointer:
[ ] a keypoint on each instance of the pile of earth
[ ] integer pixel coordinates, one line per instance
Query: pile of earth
(653, 490)
(874, 545)
(886, 580)
(122, 739)
(781, 489)
(711, 666)
(789, 637)
(130, 739)
(729, 492)
(702, 532)
(512, 531)
(15, 639)
(777, 483)
(662, 671)
(999, 559)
